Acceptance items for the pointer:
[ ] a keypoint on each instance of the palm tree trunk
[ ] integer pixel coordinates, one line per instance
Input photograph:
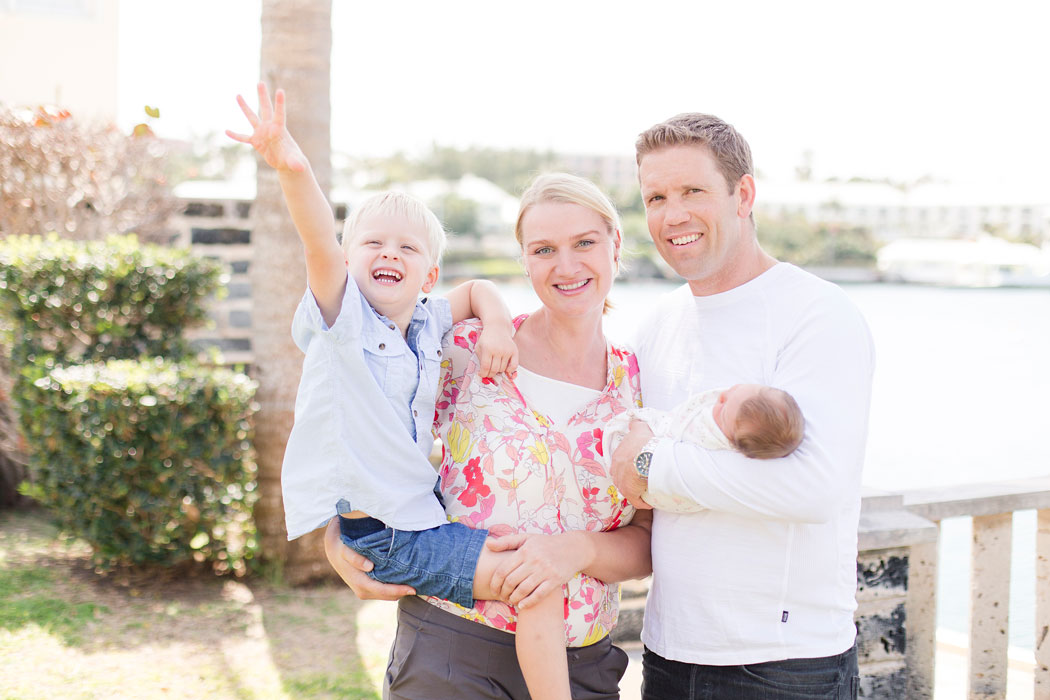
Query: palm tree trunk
(295, 55)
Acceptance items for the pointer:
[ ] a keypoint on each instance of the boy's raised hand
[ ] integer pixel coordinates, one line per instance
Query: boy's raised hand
(269, 136)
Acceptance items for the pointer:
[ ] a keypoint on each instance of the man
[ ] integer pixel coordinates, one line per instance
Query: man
(752, 596)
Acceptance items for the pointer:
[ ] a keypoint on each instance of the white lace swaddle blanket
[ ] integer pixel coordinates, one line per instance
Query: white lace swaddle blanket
(691, 421)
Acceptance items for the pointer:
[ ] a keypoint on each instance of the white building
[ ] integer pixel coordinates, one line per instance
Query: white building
(935, 210)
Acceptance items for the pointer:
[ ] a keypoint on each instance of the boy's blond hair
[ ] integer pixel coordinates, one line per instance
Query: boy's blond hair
(768, 425)
(402, 205)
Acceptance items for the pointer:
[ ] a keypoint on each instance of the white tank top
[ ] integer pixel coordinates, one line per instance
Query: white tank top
(554, 398)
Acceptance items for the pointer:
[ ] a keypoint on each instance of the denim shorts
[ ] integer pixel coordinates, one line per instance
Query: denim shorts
(438, 562)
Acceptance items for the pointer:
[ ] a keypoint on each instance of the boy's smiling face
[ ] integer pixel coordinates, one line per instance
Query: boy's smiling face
(391, 262)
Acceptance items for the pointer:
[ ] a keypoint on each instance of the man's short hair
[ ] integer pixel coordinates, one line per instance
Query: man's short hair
(401, 204)
(728, 147)
(769, 425)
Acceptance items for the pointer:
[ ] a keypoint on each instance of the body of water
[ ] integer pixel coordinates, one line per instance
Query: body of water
(961, 395)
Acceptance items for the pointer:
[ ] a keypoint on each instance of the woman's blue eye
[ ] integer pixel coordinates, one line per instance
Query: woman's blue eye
(543, 251)
(585, 243)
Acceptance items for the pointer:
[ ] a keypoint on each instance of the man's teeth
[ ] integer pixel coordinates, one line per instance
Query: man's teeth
(682, 240)
(570, 287)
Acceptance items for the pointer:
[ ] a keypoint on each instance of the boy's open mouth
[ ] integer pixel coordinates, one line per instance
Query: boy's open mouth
(386, 276)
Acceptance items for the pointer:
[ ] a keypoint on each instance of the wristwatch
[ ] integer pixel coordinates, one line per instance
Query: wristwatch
(644, 459)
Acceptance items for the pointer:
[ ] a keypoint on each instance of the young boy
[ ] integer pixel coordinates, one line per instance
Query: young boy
(758, 421)
(369, 385)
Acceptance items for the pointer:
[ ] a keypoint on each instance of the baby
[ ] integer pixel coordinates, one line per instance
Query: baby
(757, 421)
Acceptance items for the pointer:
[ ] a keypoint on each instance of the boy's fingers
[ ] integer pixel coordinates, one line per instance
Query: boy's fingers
(252, 118)
(265, 110)
(278, 108)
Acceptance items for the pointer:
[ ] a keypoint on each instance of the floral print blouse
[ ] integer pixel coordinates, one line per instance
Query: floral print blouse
(507, 468)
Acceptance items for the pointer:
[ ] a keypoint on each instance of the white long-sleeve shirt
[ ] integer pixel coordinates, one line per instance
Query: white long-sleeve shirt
(767, 570)
(363, 415)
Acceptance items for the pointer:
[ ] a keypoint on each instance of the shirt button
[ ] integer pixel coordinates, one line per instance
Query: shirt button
(415, 413)
(391, 326)
(439, 353)
(382, 346)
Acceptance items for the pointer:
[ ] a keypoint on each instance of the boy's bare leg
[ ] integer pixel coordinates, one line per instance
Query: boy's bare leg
(540, 644)
(540, 637)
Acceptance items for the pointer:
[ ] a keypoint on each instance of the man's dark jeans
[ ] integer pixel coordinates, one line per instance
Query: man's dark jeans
(831, 677)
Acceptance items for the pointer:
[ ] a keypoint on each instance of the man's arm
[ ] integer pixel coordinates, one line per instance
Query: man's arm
(352, 568)
(826, 364)
(496, 350)
(310, 211)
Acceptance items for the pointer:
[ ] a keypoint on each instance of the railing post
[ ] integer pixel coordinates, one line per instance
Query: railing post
(921, 627)
(990, 606)
(1042, 606)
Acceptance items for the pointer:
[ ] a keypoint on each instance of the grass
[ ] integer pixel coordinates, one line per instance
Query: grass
(67, 632)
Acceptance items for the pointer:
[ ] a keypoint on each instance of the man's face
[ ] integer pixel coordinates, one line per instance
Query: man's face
(699, 226)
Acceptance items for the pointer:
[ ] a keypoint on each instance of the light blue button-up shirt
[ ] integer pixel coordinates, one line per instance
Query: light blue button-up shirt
(363, 415)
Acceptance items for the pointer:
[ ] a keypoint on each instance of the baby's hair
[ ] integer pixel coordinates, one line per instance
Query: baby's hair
(402, 205)
(769, 425)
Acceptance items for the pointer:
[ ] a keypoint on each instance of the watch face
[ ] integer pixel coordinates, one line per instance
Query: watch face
(642, 462)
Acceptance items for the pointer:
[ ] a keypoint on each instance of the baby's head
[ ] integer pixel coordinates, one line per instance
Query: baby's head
(760, 421)
(393, 244)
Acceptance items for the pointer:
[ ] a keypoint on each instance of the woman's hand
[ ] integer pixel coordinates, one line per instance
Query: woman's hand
(269, 136)
(539, 565)
(353, 568)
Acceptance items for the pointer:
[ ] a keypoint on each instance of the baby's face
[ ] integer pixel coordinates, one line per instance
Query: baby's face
(389, 257)
(727, 409)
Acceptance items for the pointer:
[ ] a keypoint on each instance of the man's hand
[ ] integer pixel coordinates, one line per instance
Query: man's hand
(269, 136)
(352, 568)
(496, 350)
(623, 472)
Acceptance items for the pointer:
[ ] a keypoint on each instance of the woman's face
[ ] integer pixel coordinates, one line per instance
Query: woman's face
(570, 256)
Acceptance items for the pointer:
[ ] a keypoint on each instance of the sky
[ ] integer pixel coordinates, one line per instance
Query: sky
(957, 90)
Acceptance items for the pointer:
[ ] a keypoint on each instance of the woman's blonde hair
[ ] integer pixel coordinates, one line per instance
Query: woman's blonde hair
(569, 189)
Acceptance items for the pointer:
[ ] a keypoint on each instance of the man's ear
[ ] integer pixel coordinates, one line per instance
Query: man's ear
(746, 191)
(431, 279)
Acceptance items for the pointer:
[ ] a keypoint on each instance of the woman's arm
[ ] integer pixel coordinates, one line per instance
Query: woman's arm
(540, 563)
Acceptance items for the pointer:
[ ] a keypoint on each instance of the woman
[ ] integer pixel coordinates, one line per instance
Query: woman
(522, 454)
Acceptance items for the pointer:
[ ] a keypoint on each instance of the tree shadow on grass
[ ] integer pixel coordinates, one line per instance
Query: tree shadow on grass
(177, 628)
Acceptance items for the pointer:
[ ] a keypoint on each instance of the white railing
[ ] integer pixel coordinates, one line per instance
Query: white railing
(992, 507)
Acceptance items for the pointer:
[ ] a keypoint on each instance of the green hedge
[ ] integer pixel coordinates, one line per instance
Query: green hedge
(147, 461)
(88, 301)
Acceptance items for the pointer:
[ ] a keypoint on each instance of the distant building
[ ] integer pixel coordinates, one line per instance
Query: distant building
(615, 173)
(60, 52)
(934, 210)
